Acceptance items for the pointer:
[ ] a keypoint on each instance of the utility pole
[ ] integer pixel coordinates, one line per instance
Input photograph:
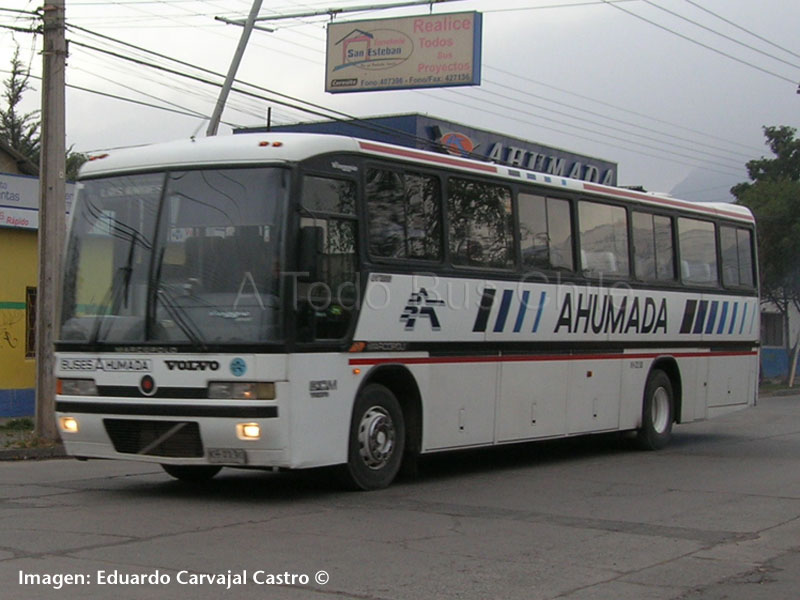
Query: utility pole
(52, 191)
(213, 124)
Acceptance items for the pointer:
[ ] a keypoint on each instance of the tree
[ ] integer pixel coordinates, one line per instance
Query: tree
(774, 197)
(74, 162)
(19, 130)
(22, 131)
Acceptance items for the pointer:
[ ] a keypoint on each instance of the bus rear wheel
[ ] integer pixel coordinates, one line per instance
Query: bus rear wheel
(657, 412)
(191, 473)
(377, 440)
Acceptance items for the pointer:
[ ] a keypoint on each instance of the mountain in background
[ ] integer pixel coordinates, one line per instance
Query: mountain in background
(707, 186)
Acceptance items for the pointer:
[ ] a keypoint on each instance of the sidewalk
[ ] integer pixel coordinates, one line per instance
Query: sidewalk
(19, 444)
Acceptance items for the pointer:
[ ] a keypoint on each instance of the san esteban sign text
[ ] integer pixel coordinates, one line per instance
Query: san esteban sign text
(409, 52)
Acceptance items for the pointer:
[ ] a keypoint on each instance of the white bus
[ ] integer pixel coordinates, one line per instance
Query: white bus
(300, 300)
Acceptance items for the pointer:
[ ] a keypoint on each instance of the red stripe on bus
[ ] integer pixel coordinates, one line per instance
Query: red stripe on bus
(445, 160)
(435, 360)
(669, 201)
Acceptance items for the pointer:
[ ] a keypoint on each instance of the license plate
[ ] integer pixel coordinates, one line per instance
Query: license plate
(236, 456)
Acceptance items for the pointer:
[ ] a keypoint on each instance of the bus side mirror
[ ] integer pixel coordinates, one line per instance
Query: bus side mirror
(310, 250)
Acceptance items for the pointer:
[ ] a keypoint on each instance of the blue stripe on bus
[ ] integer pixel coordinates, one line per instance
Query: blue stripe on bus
(724, 314)
(521, 314)
(505, 304)
(744, 318)
(712, 318)
(483, 311)
(539, 311)
(733, 317)
(688, 316)
(701, 316)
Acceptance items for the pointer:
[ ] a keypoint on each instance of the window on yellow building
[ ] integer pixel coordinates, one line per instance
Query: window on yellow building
(30, 322)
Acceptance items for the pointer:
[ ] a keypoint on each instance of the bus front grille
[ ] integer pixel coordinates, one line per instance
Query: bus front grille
(175, 439)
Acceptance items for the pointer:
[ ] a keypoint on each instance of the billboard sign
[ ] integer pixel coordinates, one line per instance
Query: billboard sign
(19, 201)
(409, 52)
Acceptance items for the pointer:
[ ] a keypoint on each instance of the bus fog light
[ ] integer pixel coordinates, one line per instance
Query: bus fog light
(68, 424)
(248, 431)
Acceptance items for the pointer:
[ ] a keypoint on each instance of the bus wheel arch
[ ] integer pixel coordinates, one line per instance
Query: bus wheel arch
(403, 385)
(385, 384)
(660, 405)
(669, 365)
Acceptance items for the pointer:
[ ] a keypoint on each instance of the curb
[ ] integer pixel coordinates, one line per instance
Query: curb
(11, 454)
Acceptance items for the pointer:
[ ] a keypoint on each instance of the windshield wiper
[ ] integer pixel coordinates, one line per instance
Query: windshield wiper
(186, 325)
(162, 293)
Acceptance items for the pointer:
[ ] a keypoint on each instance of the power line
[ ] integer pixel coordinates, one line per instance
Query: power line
(20, 12)
(619, 108)
(178, 61)
(20, 29)
(293, 103)
(715, 32)
(590, 112)
(706, 46)
(585, 129)
(316, 110)
(184, 111)
(615, 120)
(349, 117)
(740, 28)
(604, 142)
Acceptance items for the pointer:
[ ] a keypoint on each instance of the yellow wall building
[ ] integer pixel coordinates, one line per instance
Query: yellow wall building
(18, 280)
(18, 275)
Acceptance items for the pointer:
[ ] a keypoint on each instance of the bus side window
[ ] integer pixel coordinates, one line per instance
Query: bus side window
(698, 248)
(737, 256)
(652, 247)
(604, 239)
(481, 224)
(545, 232)
(325, 305)
(404, 215)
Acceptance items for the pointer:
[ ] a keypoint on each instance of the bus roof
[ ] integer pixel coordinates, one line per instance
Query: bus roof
(285, 147)
(246, 148)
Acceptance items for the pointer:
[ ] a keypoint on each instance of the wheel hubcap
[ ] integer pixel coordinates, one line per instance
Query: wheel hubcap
(660, 410)
(376, 436)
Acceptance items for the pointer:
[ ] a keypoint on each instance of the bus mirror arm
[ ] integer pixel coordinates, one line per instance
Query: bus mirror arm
(310, 249)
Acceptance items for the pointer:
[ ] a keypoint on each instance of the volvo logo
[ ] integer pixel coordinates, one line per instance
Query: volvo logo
(192, 365)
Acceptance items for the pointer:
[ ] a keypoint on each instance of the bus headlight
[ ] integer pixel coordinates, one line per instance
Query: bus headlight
(76, 387)
(240, 390)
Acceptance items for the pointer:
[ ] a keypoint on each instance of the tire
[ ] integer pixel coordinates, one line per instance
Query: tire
(191, 473)
(377, 440)
(658, 410)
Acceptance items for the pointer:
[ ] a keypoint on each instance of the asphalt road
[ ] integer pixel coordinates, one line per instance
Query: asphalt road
(714, 516)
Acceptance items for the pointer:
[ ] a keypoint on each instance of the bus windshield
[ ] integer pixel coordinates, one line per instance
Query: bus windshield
(180, 257)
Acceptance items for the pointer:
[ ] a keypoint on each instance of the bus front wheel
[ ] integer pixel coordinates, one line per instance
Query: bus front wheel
(191, 473)
(377, 440)
(657, 412)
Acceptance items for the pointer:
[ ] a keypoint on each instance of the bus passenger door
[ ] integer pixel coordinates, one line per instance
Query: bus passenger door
(326, 291)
